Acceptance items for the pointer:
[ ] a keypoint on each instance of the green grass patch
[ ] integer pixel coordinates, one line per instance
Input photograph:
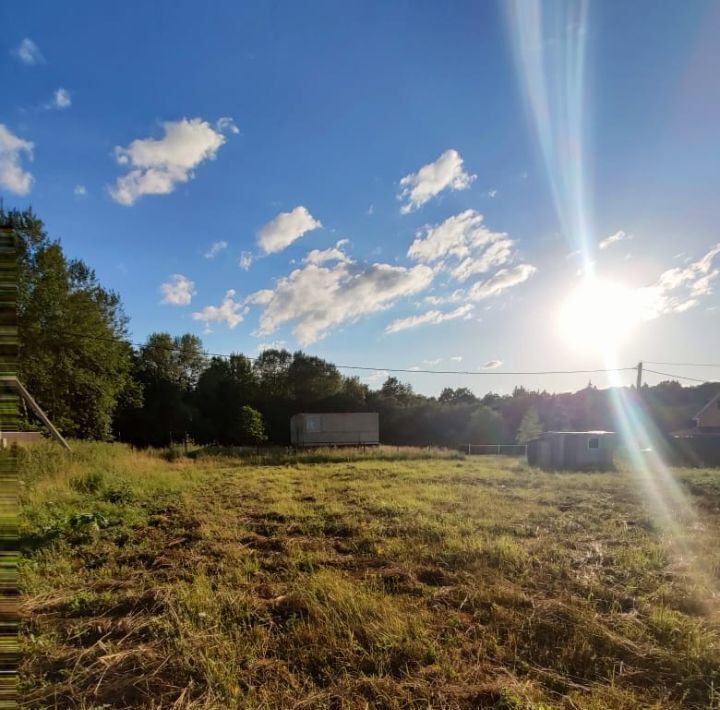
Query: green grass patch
(385, 578)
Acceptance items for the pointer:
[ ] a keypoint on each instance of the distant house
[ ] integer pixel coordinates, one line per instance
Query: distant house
(335, 429)
(573, 450)
(708, 418)
(700, 445)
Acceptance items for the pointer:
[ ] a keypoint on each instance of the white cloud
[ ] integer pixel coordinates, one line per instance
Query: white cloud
(436, 361)
(273, 345)
(433, 317)
(681, 288)
(619, 236)
(245, 261)
(215, 249)
(12, 175)
(80, 191)
(458, 236)
(229, 311)
(375, 378)
(455, 297)
(491, 364)
(61, 99)
(282, 231)
(445, 173)
(456, 358)
(492, 193)
(320, 256)
(260, 298)
(318, 298)
(28, 52)
(157, 166)
(178, 290)
(226, 124)
(501, 281)
(498, 253)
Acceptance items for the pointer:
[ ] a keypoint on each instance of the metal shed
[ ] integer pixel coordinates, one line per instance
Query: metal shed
(573, 450)
(335, 429)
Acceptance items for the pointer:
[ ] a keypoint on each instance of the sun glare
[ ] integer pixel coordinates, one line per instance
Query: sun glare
(599, 316)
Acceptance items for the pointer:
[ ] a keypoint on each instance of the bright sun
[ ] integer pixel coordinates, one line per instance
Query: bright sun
(599, 316)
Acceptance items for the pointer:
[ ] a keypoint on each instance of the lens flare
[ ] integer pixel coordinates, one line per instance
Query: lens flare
(549, 43)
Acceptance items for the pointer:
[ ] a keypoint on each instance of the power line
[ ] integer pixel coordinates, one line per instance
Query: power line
(388, 369)
(676, 377)
(483, 372)
(366, 368)
(683, 364)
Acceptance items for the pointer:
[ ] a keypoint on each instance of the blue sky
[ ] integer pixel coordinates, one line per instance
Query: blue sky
(373, 178)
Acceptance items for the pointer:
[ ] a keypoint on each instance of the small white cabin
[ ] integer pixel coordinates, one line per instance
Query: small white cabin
(335, 429)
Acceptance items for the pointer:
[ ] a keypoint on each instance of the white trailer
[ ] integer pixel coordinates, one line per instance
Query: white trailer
(335, 429)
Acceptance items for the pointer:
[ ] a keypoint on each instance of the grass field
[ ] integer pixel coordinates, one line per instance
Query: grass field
(395, 579)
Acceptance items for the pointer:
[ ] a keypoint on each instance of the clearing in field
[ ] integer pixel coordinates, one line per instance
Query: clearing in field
(404, 579)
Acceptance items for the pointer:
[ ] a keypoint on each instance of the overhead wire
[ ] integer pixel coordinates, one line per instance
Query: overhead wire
(682, 364)
(676, 377)
(411, 371)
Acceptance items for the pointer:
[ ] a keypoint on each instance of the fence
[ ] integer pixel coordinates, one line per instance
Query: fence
(496, 449)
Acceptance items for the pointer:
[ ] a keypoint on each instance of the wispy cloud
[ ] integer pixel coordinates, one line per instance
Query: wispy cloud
(618, 236)
(61, 99)
(681, 288)
(215, 249)
(286, 228)
(158, 166)
(501, 281)
(491, 364)
(28, 52)
(445, 173)
(245, 261)
(428, 317)
(80, 191)
(178, 290)
(226, 124)
(13, 176)
(455, 297)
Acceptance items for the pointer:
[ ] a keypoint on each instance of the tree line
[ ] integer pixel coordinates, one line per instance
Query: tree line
(76, 358)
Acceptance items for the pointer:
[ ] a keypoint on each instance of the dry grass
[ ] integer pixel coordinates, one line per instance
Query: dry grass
(361, 583)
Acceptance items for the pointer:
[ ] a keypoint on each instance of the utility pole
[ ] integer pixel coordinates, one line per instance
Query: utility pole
(638, 384)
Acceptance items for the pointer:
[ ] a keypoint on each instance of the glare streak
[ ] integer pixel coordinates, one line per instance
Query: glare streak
(549, 42)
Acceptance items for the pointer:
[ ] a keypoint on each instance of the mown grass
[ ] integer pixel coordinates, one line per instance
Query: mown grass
(361, 580)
